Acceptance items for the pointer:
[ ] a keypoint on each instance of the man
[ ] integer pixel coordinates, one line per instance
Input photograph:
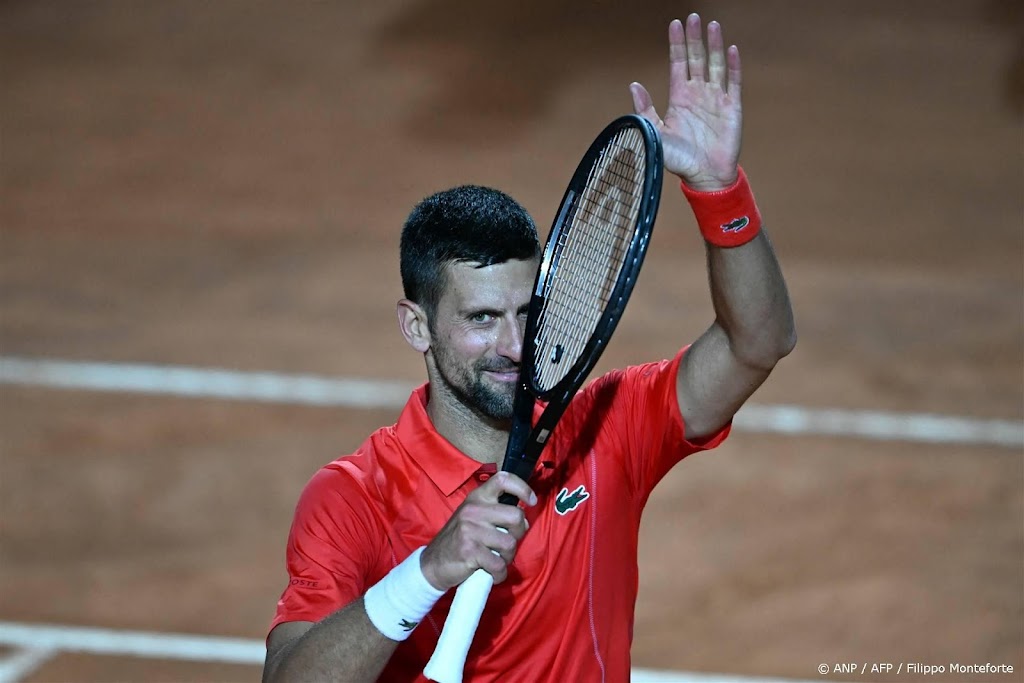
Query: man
(381, 536)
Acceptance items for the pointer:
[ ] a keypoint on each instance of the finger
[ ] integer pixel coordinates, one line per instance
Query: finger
(506, 482)
(495, 565)
(509, 518)
(695, 57)
(716, 55)
(643, 104)
(678, 70)
(732, 58)
(502, 543)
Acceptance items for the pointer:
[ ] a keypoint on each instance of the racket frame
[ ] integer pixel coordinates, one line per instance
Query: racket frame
(526, 441)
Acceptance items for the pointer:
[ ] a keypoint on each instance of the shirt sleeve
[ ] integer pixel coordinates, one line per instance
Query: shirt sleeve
(328, 555)
(640, 412)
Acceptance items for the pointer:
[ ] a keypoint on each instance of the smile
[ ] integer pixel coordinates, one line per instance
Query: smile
(503, 376)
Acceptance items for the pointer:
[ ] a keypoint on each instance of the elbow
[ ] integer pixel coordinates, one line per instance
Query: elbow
(781, 342)
(787, 343)
(765, 351)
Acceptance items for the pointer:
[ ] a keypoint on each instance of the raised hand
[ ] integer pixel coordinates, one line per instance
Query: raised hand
(474, 538)
(702, 128)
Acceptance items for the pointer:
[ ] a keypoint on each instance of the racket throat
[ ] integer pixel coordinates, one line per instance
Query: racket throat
(516, 459)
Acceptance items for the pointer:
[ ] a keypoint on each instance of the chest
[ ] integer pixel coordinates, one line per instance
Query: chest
(579, 545)
(578, 496)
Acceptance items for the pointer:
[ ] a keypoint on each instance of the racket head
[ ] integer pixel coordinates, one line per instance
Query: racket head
(592, 257)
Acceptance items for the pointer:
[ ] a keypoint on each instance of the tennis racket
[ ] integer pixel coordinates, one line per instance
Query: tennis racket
(590, 264)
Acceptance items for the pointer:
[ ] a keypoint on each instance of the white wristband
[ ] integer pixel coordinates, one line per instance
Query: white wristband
(397, 603)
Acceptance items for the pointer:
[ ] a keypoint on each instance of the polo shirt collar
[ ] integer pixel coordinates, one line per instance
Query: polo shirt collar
(447, 466)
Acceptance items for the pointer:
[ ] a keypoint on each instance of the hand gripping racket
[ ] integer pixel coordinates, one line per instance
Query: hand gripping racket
(591, 262)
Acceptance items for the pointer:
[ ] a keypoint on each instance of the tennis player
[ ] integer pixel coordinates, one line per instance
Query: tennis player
(381, 536)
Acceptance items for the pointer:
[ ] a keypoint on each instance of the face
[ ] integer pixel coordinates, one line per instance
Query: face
(477, 334)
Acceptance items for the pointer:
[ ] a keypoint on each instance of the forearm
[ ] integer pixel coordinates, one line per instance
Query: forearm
(344, 646)
(751, 302)
(356, 642)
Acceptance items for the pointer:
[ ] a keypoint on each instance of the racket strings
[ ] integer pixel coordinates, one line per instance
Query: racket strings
(590, 253)
(596, 255)
(614, 243)
(605, 261)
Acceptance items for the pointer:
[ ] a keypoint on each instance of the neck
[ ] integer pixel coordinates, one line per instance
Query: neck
(476, 435)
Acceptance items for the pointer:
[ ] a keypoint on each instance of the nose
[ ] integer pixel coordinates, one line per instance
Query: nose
(510, 338)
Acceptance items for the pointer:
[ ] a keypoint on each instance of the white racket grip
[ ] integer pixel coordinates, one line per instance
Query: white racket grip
(449, 658)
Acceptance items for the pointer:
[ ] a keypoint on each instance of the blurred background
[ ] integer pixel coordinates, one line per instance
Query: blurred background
(210, 187)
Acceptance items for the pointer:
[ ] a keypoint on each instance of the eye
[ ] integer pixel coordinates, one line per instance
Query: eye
(481, 318)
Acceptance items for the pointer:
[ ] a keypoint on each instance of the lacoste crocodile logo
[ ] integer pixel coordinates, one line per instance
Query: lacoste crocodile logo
(736, 224)
(567, 502)
(408, 625)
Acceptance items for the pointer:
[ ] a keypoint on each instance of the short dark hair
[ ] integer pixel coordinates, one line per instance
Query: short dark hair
(469, 223)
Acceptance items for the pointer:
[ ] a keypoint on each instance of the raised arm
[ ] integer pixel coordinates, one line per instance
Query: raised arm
(702, 134)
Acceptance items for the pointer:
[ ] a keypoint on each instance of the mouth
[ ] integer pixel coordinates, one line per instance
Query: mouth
(503, 376)
(508, 376)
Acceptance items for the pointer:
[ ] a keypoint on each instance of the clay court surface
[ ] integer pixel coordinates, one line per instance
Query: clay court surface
(221, 185)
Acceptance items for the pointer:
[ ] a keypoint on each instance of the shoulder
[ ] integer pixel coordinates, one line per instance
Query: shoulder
(627, 384)
(624, 400)
(352, 480)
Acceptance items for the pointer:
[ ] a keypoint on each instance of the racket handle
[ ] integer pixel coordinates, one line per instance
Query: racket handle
(449, 658)
(508, 499)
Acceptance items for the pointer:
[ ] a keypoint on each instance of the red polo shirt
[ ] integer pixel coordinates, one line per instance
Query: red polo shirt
(565, 613)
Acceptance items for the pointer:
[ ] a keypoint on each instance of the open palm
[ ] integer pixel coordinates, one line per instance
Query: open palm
(702, 127)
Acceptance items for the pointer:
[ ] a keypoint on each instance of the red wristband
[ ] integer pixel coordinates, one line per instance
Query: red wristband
(729, 217)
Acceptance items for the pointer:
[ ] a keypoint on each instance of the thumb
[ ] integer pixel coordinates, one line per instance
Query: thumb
(643, 104)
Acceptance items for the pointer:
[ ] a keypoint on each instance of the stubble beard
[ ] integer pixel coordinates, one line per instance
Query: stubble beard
(469, 387)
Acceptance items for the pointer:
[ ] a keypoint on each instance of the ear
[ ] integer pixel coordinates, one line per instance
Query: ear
(412, 320)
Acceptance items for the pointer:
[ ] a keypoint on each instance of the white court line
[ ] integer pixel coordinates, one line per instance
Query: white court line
(22, 663)
(881, 426)
(51, 638)
(173, 380)
(102, 641)
(315, 390)
(347, 392)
